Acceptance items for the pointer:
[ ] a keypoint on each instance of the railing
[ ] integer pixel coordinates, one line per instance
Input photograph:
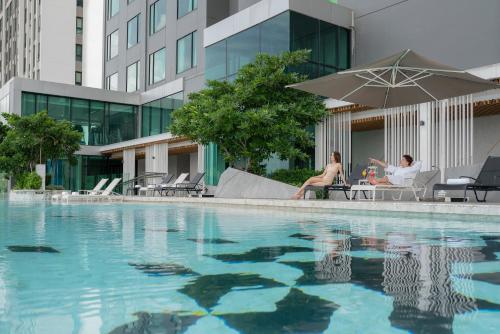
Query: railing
(140, 180)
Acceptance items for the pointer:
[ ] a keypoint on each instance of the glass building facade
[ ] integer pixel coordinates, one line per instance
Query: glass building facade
(289, 31)
(85, 174)
(156, 115)
(100, 123)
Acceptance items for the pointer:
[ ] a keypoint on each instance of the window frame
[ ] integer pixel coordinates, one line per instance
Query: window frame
(108, 81)
(137, 18)
(109, 13)
(78, 57)
(78, 83)
(137, 69)
(194, 52)
(151, 68)
(79, 30)
(194, 6)
(152, 14)
(108, 45)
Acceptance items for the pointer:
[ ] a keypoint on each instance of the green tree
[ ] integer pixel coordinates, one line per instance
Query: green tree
(34, 139)
(255, 116)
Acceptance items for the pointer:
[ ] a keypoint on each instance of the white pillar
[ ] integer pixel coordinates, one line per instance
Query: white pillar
(424, 127)
(128, 164)
(201, 158)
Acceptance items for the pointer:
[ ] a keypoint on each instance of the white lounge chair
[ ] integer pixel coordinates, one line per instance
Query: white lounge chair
(409, 185)
(95, 191)
(107, 193)
(167, 187)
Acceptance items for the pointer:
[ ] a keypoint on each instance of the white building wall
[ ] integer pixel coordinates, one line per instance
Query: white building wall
(93, 43)
(57, 41)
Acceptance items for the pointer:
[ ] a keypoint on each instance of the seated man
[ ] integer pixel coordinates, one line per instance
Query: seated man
(398, 174)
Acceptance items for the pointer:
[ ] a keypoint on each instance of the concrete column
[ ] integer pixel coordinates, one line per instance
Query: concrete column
(201, 158)
(425, 136)
(128, 164)
(320, 143)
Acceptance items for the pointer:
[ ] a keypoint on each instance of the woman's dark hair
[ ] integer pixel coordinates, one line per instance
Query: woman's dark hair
(337, 157)
(408, 158)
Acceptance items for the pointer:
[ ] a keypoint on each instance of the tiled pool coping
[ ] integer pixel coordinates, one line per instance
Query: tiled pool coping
(482, 209)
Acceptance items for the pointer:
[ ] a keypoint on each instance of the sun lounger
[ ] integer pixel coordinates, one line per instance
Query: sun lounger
(107, 193)
(95, 191)
(166, 187)
(487, 180)
(353, 179)
(154, 187)
(195, 185)
(409, 185)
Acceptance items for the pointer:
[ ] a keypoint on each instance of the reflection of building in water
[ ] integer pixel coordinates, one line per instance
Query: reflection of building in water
(336, 266)
(420, 277)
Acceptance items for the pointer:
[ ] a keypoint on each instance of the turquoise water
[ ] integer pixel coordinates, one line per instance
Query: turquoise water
(124, 268)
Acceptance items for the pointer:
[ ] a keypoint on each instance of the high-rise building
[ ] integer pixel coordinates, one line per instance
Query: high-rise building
(41, 40)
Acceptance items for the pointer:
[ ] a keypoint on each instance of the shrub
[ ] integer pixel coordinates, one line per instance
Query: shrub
(295, 177)
(28, 181)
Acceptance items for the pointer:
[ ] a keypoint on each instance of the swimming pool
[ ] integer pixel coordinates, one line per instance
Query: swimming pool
(127, 268)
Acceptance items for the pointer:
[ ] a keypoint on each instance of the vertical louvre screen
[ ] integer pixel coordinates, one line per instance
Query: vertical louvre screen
(452, 132)
(336, 133)
(401, 133)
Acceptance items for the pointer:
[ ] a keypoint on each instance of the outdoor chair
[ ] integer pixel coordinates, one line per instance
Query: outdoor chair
(154, 187)
(195, 185)
(96, 189)
(352, 179)
(409, 185)
(487, 180)
(166, 187)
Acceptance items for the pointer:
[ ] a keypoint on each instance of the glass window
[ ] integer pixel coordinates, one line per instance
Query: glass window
(59, 107)
(344, 59)
(79, 3)
(113, 7)
(130, 1)
(328, 47)
(215, 61)
(28, 104)
(41, 102)
(133, 77)
(112, 45)
(186, 6)
(157, 66)
(112, 82)
(78, 78)
(80, 118)
(97, 128)
(242, 49)
(79, 25)
(156, 115)
(157, 16)
(275, 34)
(121, 122)
(78, 52)
(186, 52)
(133, 31)
(305, 35)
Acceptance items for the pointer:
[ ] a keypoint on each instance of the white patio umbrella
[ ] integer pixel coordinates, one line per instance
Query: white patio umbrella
(402, 79)
(405, 78)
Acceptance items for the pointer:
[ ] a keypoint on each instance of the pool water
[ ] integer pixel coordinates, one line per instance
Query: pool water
(127, 268)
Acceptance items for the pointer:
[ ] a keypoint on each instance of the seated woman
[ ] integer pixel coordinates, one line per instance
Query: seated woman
(331, 171)
(397, 177)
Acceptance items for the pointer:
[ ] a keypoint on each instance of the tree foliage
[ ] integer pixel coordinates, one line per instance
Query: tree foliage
(255, 116)
(34, 139)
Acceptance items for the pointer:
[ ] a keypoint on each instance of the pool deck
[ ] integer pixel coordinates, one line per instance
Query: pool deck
(483, 209)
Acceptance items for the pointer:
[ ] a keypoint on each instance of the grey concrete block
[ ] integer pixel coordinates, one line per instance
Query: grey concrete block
(234, 183)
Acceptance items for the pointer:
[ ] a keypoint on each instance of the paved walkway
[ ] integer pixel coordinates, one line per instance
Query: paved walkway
(486, 209)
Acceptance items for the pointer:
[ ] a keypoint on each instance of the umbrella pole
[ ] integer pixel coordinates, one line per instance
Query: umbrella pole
(442, 140)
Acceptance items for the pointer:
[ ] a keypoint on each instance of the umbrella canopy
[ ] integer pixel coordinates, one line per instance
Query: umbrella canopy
(402, 79)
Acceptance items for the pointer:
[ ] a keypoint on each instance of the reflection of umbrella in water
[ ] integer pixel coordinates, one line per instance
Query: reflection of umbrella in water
(402, 79)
